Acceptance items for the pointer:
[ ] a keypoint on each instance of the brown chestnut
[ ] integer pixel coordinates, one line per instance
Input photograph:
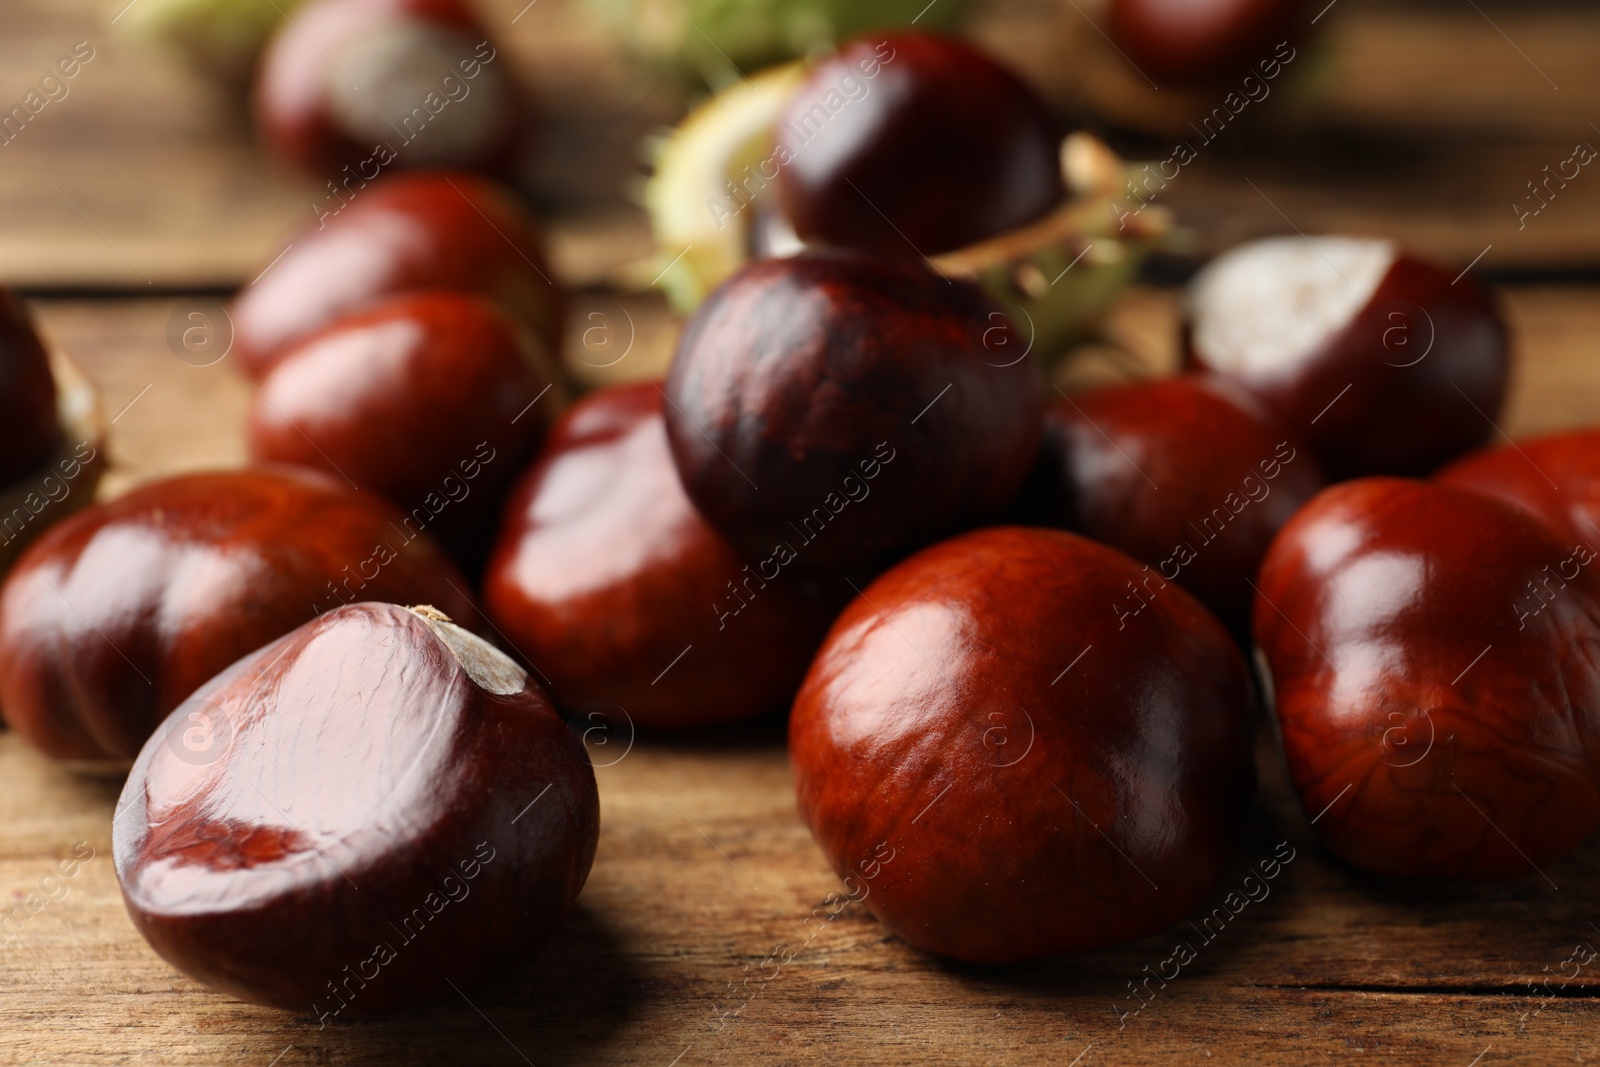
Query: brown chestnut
(368, 84)
(1555, 478)
(428, 399)
(374, 811)
(1188, 41)
(118, 613)
(1378, 360)
(671, 625)
(421, 230)
(848, 407)
(1440, 712)
(912, 144)
(1002, 767)
(28, 423)
(1187, 475)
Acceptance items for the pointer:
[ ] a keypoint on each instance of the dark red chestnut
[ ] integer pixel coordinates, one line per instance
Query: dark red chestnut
(912, 144)
(28, 421)
(116, 614)
(1440, 711)
(432, 230)
(1187, 41)
(1186, 475)
(1379, 361)
(428, 399)
(609, 581)
(356, 818)
(366, 85)
(1004, 764)
(1556, 478)
(848, 407)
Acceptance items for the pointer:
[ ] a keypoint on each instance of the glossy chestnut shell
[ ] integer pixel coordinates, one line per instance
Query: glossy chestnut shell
(912, 144)
(1555, 478)
(28, 421)
(349, 88)
(1436, 661)
(844, 408)
(421, 230)
(1003, 767)
(1188, 41)
(428, 399)
(357, 817)
(1381, 362)
(116, 614)
(612, 585)
(1186, 475)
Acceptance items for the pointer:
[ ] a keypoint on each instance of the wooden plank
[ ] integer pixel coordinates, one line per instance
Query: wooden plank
(704, 868)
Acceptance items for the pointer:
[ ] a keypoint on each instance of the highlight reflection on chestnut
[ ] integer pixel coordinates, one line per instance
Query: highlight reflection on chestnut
(611, 583)
(118, 613)
(1435, 656)
(1005, 769)
(356, 818)
(848, 407)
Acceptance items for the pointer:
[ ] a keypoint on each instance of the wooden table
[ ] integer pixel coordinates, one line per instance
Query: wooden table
(139, 193)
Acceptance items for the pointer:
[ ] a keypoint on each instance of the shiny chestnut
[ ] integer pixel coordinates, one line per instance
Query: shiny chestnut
(116, 614)
(1433, 655)
(1381, 362)
(1190, 41)
(1186, 475)
(429, 399)
(422, 230)
(1005, 762)
(615, 588)
(1555, 478)
(912, 144)
(372, 812)
(350, 88)
(848, 407)
(29, 426)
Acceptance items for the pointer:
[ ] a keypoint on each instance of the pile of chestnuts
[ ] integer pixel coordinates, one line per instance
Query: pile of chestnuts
(1023, 634)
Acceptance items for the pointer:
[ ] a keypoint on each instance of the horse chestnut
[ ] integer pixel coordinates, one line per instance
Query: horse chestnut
(1556, 478)
(427, 394)
(364, 84)
(1009, 768)
(1183, 474)
(116, 614)
(1186, 41)
(802, 387)
(357, 817)
(1377, 360)
(674, 628)
(1435, 656)
(912, 144)
(425, 230)
(28, 423)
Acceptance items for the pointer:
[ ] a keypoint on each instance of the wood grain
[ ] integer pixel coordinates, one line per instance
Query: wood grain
(704, 869)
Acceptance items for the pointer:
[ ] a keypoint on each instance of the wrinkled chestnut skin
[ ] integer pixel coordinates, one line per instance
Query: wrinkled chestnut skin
(1377, 602)
(956, 748)
(929, 146)
(116, 614)
(339, 82)
(348, 820)
(425, 393)
(603, 611)
(1189, 41)
(423, 230)
(1183, 474)
(848, 407)
(1556, 478)
(1404, 412)
(28, 423)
